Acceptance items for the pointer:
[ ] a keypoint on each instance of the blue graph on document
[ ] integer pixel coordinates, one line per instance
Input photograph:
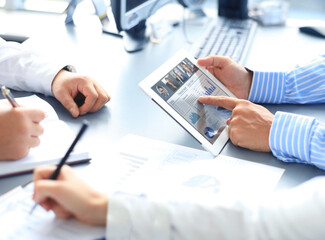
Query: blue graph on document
(194, 117)
(209, 89)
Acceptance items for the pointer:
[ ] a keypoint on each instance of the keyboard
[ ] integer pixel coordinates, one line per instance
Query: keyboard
(226, 37)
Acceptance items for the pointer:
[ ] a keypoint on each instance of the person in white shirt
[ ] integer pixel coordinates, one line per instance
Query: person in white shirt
(25, 70)
(293, 214)
(297, 213)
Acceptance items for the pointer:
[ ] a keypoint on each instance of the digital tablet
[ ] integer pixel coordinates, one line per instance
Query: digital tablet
(176, 86)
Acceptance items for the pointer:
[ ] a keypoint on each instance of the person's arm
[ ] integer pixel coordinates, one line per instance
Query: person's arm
(288, 215)
(25, 70)
(294, 138)
(294, 214)
(68, 196)
(250, 124)
(290, 137)
(297, 138)
(304, 84)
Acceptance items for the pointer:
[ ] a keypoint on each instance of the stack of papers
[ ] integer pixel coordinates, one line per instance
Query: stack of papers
(144, 166)
(161, 169)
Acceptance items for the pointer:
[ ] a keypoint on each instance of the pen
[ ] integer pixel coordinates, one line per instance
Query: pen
(56, 172)
(6, 93)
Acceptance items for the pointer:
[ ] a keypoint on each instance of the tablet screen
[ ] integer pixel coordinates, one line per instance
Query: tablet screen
(180, 89)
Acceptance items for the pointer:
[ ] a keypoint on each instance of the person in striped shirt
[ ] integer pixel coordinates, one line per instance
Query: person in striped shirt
(290, 137)
(296, 213)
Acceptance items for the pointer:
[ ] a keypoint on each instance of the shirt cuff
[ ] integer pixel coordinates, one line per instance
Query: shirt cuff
(118, 220)
(267, 87)
(290, 137)
(132, 215)
(53, 70)
(49, 72)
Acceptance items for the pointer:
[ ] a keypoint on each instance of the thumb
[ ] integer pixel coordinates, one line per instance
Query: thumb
(68, 102)
(221, 101)
(212, 61)
(45, 189)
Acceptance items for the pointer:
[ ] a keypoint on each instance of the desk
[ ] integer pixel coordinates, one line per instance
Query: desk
(130, 110)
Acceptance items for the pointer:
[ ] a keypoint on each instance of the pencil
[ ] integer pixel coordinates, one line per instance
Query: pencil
(56, 172)
(7, 94)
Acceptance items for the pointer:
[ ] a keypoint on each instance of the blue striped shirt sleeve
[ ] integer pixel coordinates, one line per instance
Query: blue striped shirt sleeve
(294, 138)
(297, 138)
(305, 84)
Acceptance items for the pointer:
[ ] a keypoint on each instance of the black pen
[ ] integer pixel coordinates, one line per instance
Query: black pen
(56, 172)
(6, 93)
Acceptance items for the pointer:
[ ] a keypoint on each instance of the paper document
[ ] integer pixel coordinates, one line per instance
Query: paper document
(157, 167)
(17, 223)
(55, 141)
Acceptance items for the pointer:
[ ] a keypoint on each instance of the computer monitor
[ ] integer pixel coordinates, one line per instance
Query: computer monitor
(130, 18)
(233, 8)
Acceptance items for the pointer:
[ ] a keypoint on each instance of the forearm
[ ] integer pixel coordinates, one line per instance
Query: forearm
(295, 214)
(305, 84)
(26, 70)
(139, 218)
(296, 138)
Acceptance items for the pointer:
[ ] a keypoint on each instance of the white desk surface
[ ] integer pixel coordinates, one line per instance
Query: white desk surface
(102, 57)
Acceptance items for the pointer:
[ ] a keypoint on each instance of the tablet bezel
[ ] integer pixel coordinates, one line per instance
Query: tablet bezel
(162, 71)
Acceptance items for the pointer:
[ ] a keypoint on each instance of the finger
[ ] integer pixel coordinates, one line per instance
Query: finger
(66, 99)
(57, 192)
(91, 96)
(43, 172)
(231, 135)
(36, 130)
(211, 61)
(221, 101)
(205, 62)
(46, 205)
(35, 114)
(34, 141)
(47, 189)
(102, 98)
(60, 211)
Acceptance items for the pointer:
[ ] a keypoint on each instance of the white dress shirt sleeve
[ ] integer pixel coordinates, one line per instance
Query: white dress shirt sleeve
(25, 70)
(294, 214)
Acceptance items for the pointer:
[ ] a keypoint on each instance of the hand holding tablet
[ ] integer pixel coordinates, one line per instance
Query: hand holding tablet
(176, 87)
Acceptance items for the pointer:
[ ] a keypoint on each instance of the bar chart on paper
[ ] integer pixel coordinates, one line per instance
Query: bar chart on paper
(185, 171)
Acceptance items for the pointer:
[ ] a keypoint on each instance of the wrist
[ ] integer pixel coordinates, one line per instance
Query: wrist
(65, 70)
(249, 81)
(69, 68)
(99, 206)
